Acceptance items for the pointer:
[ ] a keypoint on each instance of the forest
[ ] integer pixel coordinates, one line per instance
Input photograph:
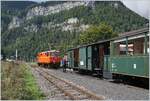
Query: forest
(105, 20)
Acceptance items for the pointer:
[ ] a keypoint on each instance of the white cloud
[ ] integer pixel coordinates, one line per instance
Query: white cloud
(142, 7)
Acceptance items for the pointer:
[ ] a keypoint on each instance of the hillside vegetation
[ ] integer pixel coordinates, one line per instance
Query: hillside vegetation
(54, 31)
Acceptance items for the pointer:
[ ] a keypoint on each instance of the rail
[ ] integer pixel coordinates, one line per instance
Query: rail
(74, 92)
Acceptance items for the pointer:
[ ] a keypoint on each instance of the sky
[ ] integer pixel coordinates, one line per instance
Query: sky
(142, 7)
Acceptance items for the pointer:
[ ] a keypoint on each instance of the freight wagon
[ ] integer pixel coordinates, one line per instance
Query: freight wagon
(126, 55)
(89, 57)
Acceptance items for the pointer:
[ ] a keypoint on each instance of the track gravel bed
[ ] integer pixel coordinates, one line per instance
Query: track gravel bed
(47, 88)
(110, 90)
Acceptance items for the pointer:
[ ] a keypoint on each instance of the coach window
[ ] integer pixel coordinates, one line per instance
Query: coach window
(138, 46)
(146, 45)
(132, 46)
(122, 49)
(115, 48)
(126, 50)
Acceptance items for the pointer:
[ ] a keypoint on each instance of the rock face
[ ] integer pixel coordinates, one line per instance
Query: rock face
(72, 20)
(72, 24)
(40, 10)
(44, 11)
(16, 22)
(31, 28)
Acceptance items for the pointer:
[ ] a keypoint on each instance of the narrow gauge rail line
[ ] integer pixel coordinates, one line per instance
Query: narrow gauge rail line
(74, 92)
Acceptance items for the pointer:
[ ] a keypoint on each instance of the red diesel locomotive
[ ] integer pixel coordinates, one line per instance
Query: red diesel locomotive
(49, 59)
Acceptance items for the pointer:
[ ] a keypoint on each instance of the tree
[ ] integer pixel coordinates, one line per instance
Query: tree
(95, 33)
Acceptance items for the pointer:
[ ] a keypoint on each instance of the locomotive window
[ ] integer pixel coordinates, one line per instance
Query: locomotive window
(46, 54)
(52, 54)
(55, 53)
(49, 53)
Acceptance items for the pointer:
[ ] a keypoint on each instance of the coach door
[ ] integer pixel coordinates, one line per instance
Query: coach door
(95, 57)
(76, 57)
(101, 56)
(89, 57)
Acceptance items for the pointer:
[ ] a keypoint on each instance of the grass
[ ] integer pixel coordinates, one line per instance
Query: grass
(31, 86)
(18, 83)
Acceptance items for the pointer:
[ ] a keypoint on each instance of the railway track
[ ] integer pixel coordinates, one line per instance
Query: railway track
(72, 91)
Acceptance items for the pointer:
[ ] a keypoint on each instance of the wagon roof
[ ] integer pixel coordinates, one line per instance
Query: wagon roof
(50, 51)
(134, 32)
(121, 35)
(101, 41)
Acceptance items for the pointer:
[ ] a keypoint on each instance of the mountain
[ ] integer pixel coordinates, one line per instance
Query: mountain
(32, 27)
(16, 5)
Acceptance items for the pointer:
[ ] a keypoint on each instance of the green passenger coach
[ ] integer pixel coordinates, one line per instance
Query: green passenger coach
(130, 55)
(126, 56)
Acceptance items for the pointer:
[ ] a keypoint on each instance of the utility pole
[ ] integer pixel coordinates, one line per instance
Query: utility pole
(49, 46)
(16, 54)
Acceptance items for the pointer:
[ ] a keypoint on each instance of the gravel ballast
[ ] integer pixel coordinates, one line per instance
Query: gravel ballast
(111, 91)
(50, 91)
